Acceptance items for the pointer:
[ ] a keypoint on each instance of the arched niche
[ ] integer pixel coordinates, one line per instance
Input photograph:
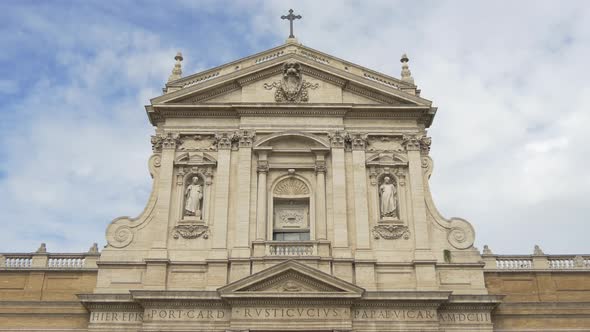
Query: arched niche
(186, 193)
(388, 197)
(291, 209)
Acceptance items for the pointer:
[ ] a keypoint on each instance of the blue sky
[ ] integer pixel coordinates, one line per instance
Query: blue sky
(509, 78)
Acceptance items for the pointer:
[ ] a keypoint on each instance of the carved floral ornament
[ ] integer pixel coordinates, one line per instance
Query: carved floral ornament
(164, 141)
(391, 232)
(203, 142)
(191, 231)
(292, 88)
(417, 143)
(291, 187)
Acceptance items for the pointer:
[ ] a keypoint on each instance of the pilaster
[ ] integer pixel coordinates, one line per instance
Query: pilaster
(159, 230)
(341, 243)
(320, 197)
(221, 200)
(423, 257)
(261, 199)
(242, 230)
(361, 205)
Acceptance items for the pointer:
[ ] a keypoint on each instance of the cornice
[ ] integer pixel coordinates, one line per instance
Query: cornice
(158, 113)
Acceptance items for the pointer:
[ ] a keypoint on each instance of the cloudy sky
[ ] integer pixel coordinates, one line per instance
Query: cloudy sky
(510, 79)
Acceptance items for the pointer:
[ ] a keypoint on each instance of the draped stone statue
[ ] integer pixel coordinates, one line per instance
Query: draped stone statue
(193, 195)
(387, 193)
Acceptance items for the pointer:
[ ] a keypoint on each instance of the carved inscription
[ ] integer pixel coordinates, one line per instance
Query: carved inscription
(464, 318)
(290, 313)
(399, 315)
(187, 314)
(116, 317)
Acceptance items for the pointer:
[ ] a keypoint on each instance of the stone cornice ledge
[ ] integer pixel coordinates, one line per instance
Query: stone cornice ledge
(411, 296)
(157, 113)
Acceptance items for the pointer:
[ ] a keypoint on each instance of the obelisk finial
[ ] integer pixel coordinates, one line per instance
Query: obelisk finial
(406, 73)
(177, 70)
(291, 17)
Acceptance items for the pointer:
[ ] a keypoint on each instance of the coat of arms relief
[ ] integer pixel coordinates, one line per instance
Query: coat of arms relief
(292, 88)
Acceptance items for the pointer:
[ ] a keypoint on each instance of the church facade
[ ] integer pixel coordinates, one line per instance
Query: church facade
(290, 192)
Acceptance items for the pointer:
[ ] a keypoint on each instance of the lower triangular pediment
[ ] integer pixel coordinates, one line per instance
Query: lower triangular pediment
(291, 279)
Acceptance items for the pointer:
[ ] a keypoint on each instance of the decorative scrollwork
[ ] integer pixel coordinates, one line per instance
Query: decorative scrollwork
(121, 231)
(391, 232)
(460, 234)
(291, 187)
(191, 231)
(292, 88)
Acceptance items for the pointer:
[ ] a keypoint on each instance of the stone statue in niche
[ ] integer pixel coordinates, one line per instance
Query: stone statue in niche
(387, 195)
(193, 196)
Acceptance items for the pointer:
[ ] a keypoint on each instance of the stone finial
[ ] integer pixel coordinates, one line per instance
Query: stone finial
(538, 251)
(487, 250)
(93, 249)
(42, 249)
(177, 70)
(406, 73)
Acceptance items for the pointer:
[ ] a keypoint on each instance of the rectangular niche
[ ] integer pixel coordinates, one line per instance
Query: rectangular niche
(291, 219)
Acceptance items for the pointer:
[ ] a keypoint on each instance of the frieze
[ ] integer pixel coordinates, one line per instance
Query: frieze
(395, 315)
(384, 144)
(116, 317)
(193, 314)
(197, 143)
(391, 232)
(464, 317)
(191, 231)
(290, 313)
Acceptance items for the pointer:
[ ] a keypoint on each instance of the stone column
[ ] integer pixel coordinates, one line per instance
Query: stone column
(320, 197)
(341, 246)
(423, 257)
(261, 197)
(221, 200)
(242, 230)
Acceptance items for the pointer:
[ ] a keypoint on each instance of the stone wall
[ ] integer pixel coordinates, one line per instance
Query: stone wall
(538, 300)
(44, 299)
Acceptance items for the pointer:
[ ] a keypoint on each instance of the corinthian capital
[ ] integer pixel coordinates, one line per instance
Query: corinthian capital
(338, 139)
(165, 141)
(417, 143)
(358, 141)
(262, 166)
(245, 138)
(224, 140)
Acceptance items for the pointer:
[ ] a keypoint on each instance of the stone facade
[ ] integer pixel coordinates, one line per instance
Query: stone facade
(290, 191)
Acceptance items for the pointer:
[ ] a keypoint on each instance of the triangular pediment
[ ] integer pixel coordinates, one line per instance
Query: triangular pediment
(255, 79)
(291, 279)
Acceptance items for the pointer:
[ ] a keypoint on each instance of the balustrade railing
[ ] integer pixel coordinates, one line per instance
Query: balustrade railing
(537, 261)
(53, 261)
(291, 248)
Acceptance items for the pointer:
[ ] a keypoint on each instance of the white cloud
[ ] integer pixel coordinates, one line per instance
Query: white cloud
(509, 140)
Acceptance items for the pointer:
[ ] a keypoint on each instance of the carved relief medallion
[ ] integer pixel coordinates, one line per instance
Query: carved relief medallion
(292, 88)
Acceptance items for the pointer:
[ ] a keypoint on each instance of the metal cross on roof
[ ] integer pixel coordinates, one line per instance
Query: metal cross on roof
(291, 18)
